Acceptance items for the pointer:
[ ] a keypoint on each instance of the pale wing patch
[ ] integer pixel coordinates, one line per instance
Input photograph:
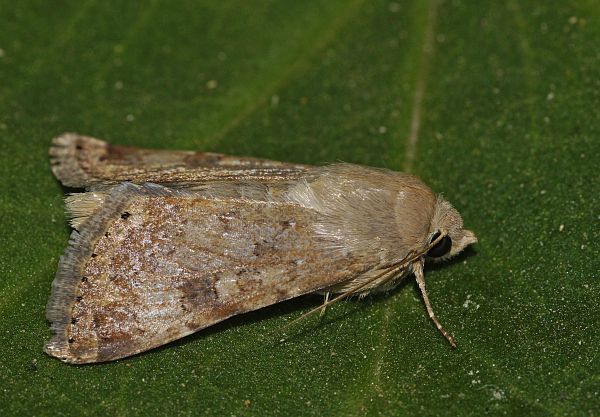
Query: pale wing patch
(82, 205)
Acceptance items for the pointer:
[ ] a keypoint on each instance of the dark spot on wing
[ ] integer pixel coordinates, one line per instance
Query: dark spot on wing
(198, 292)
(262, 248)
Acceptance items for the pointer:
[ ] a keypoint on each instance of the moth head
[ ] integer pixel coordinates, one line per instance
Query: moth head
(448, 225)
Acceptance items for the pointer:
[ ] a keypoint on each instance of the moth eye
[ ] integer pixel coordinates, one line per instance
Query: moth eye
(441, 248)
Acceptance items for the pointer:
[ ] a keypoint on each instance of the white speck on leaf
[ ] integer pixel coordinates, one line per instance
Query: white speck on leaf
(468, 302)
(394, 7)
(498, 394)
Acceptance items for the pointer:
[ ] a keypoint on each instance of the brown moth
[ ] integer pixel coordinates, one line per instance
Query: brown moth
(169, 242)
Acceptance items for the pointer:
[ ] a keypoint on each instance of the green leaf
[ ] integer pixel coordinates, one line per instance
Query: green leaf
(494, 104)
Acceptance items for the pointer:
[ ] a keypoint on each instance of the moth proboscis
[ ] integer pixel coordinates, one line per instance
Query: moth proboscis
(170, 242)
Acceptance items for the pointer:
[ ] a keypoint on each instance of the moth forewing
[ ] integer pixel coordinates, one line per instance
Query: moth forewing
(154, 264)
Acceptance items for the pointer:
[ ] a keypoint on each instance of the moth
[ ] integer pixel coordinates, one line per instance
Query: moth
(170, 242)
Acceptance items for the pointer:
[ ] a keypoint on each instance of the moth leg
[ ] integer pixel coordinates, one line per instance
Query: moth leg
(420, 276)
(324, 307)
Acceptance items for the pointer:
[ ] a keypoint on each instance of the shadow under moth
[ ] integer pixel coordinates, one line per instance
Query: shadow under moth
(170, 242)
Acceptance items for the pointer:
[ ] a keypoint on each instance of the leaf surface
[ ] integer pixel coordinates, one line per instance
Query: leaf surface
(494, 105)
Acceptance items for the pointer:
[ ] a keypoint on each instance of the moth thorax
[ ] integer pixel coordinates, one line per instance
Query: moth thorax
(414, 212)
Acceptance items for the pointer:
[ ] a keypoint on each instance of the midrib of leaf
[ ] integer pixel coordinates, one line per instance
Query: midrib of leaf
(356, 404)
(421, 86)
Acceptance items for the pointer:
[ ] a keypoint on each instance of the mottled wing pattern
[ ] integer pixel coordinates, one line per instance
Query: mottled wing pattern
(154, 264)
(81, 161)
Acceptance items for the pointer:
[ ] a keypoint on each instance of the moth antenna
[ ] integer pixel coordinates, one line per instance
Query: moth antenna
(391, 269)
(418, 271)
(442, 235)
(335, 299)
